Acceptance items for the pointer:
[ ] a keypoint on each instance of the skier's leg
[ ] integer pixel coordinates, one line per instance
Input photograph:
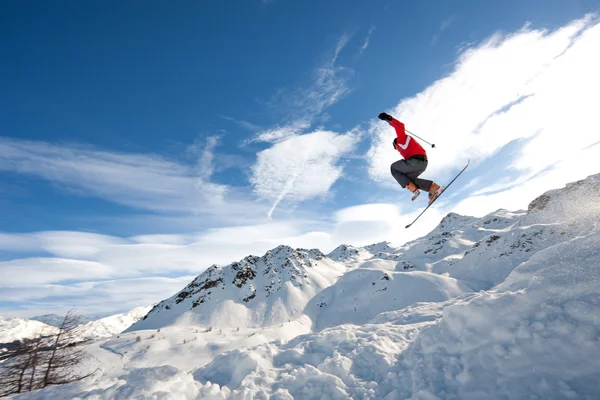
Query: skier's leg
(424, 184)
(400, 171)
(412, 169)
(405, 172)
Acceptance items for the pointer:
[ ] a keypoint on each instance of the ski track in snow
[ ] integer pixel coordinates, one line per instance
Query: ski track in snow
(501, 307)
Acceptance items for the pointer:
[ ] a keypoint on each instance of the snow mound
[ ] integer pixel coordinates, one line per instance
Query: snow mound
(361, 294)
(339, 363)
(537, 335)
(163, 382)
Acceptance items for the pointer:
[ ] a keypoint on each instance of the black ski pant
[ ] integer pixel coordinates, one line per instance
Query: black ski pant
(405, 171)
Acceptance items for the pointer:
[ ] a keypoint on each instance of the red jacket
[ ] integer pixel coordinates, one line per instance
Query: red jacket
(406, 145)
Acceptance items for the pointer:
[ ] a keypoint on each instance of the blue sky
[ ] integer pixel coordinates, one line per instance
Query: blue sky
(140, 141)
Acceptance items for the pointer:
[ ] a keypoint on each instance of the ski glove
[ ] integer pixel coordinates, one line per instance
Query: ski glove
(395, 143)
(385, 117)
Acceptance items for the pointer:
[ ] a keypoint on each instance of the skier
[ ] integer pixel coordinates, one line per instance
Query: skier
(406, 171)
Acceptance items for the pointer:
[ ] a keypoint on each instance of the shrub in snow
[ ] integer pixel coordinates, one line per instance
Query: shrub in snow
(47, 359)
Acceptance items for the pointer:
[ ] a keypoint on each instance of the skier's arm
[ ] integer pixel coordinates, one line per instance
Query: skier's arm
(403, 138)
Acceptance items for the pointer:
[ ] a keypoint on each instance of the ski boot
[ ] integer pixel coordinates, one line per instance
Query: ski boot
(414, 190)
(434, 192)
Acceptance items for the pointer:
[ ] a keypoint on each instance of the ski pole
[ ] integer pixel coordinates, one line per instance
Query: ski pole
(432, 145)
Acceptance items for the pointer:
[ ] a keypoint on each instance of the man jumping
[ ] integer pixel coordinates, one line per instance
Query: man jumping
(406, 171)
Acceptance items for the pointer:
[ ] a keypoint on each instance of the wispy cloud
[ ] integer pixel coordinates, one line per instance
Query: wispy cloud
(367, 40)
(303, 104)
(443, 26)
(519, 105)
(145, 181)
(244, 124)
(204, 150)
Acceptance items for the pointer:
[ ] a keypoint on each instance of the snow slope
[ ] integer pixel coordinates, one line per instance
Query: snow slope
(500, 307)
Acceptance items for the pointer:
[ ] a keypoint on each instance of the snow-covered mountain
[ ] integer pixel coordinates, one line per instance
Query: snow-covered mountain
(112, 325)
(12, 329)
(256, 291)
(504, 306)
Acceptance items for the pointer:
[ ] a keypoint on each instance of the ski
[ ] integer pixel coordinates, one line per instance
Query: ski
(445, 188)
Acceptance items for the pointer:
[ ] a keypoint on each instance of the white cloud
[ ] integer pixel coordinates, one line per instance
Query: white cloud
(18, 243)
(301, 167)
(69, 244)
(139, 180)
(522, 106)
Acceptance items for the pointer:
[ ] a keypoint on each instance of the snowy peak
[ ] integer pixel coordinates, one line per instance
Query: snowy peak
(454, 221)
(381, 247)
(347, 253)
